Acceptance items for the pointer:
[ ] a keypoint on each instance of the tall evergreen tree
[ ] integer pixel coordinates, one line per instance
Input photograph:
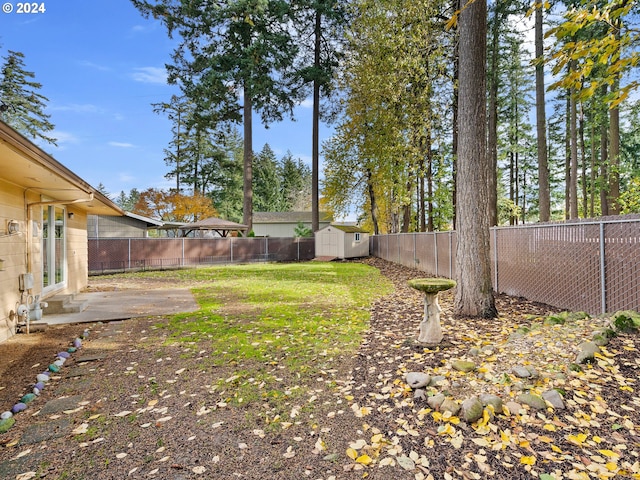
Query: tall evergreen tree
(233, 58)
(23, 105)
(325, 19)
(266, 181)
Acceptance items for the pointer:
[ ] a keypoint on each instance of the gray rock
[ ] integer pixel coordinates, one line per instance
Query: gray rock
(419, 394)
(471, 409)
(521, 372)
(474, 351)
(587, 352)
(437, 380)
(554, 398)
(534, 401)
(493, 400)
(41, 377)
(6, 415)
(488, 350)
(464, 366)
(532, 370)
(417, 379)
(513, 407)
(450, 405)
(435, 401)
(600, 340)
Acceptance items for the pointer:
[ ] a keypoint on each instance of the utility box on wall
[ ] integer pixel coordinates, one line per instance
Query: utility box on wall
(25, 281)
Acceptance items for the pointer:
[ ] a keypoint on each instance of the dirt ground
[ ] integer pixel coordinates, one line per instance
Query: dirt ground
(137, 408)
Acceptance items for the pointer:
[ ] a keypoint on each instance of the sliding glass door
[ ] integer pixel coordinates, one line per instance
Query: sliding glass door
(53, 248)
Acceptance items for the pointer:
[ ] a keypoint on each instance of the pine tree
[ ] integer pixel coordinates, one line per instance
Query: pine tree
(23, 105)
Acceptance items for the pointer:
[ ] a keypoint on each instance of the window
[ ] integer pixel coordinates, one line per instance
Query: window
(357, 237)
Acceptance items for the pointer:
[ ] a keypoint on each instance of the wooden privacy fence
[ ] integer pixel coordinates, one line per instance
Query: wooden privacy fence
(124, 254)
(591, 266)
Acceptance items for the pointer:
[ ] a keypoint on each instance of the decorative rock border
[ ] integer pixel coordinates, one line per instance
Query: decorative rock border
(472, 409)
(7, 418)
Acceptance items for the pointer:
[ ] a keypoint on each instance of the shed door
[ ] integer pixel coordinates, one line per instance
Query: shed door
(330, 244)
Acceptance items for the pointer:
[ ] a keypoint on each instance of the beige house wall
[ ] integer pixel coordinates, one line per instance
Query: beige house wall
(13, 252)
(22, 252)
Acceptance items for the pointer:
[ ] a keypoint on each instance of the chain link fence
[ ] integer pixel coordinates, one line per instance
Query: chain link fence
(591, 266)
(111, 255)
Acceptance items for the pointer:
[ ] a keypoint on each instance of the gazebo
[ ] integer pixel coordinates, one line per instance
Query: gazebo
(218, 225)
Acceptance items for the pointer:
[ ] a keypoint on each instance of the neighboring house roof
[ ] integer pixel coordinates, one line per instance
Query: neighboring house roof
(25, 164)
(289, 217)
(349, 228)
(222, 227)
(151, 222)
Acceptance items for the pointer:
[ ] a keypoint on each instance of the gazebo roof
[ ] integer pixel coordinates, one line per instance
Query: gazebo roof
(218, 225)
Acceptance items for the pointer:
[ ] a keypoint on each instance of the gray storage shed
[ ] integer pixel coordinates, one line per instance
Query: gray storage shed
(342, 241)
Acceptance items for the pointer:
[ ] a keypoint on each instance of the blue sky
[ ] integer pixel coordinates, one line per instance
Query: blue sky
(101, 65)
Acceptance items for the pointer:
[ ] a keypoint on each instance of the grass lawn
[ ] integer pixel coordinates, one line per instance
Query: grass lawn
(274, 327)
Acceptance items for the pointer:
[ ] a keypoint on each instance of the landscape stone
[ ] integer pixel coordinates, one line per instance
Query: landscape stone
(471, 409)
(48, 430)
(521, 372)
(513, 407)
(534, 401)
(554, 398)
(419, 394)
(6, 424)
(6, 415)
(464, 366)
(60, 404)
(41, 377)
(587, 352)
(435, 401)
(533, 371)
(450, 405)
(493, 400)
(29, 397)
(18, 407)
(437, 380)
(417, 379)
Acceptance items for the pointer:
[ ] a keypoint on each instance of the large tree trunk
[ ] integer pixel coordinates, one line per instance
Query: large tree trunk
(474, 294)
(454, 133)
(315, 147)
(544, 195)
(247, 201)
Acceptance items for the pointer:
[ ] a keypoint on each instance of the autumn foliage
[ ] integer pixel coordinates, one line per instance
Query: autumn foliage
(173, 206)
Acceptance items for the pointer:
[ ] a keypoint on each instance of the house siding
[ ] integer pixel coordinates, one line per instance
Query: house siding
(13, 251)
(101, 226)
(14, 248)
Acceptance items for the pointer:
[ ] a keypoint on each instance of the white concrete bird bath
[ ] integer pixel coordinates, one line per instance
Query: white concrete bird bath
(430, 328)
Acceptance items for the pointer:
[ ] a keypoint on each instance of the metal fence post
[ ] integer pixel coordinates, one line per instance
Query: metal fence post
(603, 274)
(231, 248)
(129, 254)
(182, 259)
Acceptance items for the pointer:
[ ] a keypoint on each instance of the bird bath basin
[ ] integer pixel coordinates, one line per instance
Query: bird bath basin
(430, 328)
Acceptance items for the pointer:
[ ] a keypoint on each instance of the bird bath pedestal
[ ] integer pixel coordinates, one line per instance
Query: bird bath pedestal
(430, 329)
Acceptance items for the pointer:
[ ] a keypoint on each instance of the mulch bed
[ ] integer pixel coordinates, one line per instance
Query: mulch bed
(145, 410)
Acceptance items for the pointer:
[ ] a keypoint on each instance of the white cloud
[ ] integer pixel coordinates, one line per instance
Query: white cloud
(95, 66)
(121, 145)
(154, 75)
(307, 103)
(77, 108)
(64, 137)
